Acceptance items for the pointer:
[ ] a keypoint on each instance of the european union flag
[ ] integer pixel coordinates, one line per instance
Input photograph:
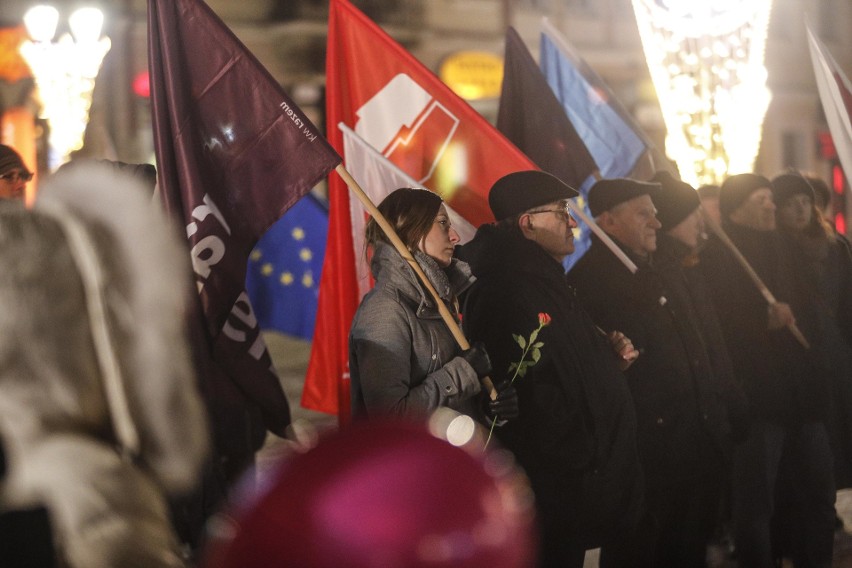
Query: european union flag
(284, 269)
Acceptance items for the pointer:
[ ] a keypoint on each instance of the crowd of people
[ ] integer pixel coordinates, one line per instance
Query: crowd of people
(690, 375)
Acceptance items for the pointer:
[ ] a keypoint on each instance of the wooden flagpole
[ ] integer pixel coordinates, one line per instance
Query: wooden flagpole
(765, 292)
(605, 239)
(406, 254)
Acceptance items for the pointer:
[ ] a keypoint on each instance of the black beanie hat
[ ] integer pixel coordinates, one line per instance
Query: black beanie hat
(607, 193)
(9, 160)
(517, 192)
(675, 201)
(736, 189)
(786, 186)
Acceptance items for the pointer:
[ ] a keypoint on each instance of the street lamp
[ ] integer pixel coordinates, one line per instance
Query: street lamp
(65, 71)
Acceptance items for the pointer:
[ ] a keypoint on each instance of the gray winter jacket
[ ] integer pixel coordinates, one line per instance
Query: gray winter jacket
(403, 359)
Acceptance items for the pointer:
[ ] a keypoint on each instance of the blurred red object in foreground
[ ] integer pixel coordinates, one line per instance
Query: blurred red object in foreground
(381, 494)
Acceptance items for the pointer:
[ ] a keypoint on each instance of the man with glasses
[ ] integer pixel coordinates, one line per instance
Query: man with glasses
(575, 436)
(13, 174)
(680, 413)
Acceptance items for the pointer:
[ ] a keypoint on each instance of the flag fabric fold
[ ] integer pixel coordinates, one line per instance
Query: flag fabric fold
(403, 111)
(835, 93)
(233, 153)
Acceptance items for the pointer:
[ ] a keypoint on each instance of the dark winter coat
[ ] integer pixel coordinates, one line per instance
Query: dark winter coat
(575, 436)
(402, 357)
(826, 265)
(784, 382)
(682, 425)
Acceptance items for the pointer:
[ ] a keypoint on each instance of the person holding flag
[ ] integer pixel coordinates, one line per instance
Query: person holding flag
(785, 381)
(403, 359)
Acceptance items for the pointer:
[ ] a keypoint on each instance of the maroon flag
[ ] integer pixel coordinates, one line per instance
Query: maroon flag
(234, 153)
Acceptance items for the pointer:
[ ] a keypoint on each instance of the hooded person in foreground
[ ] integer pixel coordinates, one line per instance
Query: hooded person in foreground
(98, 403)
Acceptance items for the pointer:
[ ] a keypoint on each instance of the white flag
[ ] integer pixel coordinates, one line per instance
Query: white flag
(835, 92)
(378, 176)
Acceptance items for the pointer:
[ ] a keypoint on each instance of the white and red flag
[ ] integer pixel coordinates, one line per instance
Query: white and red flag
(835, 92)
(398, 107)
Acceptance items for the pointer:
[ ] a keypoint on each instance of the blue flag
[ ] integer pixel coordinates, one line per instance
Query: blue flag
(284, 270)
(601, 122)
(611, 136)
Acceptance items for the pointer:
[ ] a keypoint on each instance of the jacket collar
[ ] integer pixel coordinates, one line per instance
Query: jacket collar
(391, 270)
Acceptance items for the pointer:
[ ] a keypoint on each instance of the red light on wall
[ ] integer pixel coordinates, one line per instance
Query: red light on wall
(837, 179)
(840, 223)
(827, 150)
(142, 85)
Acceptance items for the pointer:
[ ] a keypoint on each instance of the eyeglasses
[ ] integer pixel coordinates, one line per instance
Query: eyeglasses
(12, 176)
(564, 212)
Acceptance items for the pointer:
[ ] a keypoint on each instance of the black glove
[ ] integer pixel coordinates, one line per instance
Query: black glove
(478, 358)
(505, 407)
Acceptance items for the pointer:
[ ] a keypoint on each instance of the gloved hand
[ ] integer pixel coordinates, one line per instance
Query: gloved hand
(478, 358)
(505, 407)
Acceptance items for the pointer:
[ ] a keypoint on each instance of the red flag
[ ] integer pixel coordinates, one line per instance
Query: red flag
(404, 111)
(234, 153)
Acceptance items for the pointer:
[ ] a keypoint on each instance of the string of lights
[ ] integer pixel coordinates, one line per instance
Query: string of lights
(707, 64)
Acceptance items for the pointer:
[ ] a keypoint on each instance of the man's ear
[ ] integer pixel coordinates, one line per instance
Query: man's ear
(604, 221)
(525, 225)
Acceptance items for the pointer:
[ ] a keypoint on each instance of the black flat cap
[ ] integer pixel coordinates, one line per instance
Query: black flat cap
(607, 193)
(517, 192)
(676, 200)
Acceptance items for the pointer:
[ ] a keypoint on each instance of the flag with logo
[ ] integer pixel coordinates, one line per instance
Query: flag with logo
(403, 111)
(835, 92)
(234, 153)
(284, 270)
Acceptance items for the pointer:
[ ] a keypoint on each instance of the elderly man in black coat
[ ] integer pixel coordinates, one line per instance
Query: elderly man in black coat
(575, 436)
(786, 386)
(682, 426)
